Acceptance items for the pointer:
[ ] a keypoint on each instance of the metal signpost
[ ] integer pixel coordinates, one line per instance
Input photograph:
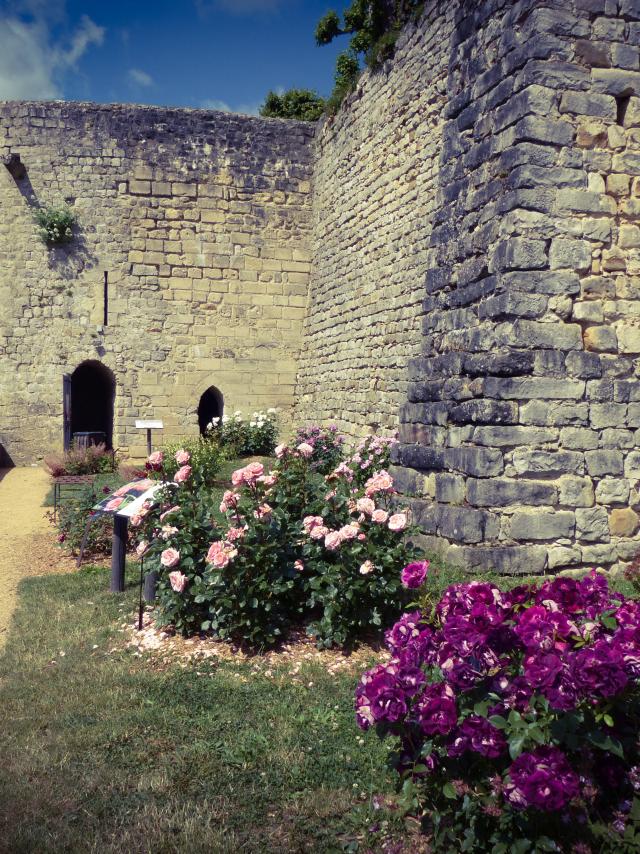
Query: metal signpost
(149, 425)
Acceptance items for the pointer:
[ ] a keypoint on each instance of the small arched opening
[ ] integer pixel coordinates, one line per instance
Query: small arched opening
(93, 391)
(211, 406)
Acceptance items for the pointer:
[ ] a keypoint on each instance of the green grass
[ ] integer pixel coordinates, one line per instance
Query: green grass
(102, 751)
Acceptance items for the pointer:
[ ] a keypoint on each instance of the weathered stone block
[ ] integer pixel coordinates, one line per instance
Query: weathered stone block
(531, 463)
(612, 491)
(484, 412)
(554, 414)
(560, 556)
(542, 525)
(583, 104)
(592, 525)
(513, 436)
(450, 488)
(505, 560)
(518, 253)
(534, 388)
(500, 492)
(465, 525)
(628, 338)
(478, 462)
(600, 339)
(603, 462)
(579, 438)
(575, 491)
(615, 81)
(623, 522)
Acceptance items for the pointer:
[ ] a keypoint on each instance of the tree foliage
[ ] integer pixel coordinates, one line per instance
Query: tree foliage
(303, 104)
(374, 26)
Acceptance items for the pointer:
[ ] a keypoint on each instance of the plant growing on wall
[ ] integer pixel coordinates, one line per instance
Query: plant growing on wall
(303, 104)
(55, 224)
(374, 26)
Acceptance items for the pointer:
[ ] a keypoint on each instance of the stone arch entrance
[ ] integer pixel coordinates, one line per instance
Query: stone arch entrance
(89, 395)
(211, 405)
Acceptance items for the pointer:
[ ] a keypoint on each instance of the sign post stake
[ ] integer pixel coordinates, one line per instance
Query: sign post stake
(118, 550)
(148, 425)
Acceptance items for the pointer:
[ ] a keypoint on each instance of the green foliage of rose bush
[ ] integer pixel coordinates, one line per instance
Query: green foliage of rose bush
(515, 715)
(205, 459)
(298, 547)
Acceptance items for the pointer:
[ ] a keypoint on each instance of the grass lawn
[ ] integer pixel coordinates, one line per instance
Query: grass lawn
(103, 751)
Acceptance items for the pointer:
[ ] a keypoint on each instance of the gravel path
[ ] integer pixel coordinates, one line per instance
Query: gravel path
(27, 539)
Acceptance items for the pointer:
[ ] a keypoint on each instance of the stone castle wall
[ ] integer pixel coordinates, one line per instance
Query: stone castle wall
(202, 222)
(521, 430)
(375, 196)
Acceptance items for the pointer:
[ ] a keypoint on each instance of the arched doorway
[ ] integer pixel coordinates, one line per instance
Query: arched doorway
(211, 406)
(90, 396)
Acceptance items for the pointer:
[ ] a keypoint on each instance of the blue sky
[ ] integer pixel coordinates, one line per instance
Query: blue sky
(218, 54)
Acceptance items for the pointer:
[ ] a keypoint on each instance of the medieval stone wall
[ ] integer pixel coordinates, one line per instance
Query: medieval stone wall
(375, 195)
(520, 434)
(201, 221)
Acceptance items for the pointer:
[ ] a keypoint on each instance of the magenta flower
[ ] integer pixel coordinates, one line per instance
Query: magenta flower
(414, 574)
(542, 779)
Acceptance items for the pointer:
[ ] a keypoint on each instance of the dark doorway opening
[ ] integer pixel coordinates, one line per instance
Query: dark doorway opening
(211, 406)
(93, 391)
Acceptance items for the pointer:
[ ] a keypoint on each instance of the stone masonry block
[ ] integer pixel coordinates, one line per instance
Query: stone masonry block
(466, 525)
(530, 525)
(502, 492)
(532, 463)
(592, 525)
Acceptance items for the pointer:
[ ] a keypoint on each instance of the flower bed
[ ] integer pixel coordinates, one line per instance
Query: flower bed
(516, 715)
(296, 547)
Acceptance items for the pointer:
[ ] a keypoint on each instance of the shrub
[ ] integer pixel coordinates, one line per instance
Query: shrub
(515, 715)
(328, 446)
(55, 225)
(302, 104)
(204, 458)
(240, 438)
(289, 552)
(95, 459)
(73, 516)
(173, 534)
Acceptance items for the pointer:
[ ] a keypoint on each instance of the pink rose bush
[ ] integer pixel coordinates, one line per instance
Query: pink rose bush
(515, 715)
(296, 545)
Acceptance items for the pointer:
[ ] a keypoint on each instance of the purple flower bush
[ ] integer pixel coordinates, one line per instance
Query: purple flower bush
(516, 715)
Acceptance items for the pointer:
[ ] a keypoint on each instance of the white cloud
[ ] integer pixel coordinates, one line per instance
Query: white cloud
(33, 60)
(223, 106)
(140, 77)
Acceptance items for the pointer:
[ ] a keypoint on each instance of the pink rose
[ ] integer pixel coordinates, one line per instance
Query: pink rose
(234, 534)
(136, 520)
(263, 511)
(366, 568)
(230, 498)
(333, 540)
(182, 457)
(220, 560)
(349, 532)
(298, 565)
(255, 470)
(114, 504)
(156, 458)
(142, 547)
(214, 548)
(398, 522)
(305, 449)
(178, 581)
(362, 537)
(379, 516)
(164, 515)
(268, 479)
(182, 474)
(319, 532)
(311, 522)
(236, 477)
(280, 451)
(365, 505)
(170, 557)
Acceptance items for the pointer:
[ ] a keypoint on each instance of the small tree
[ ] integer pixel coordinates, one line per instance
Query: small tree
(374, 26)
(303, 104)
